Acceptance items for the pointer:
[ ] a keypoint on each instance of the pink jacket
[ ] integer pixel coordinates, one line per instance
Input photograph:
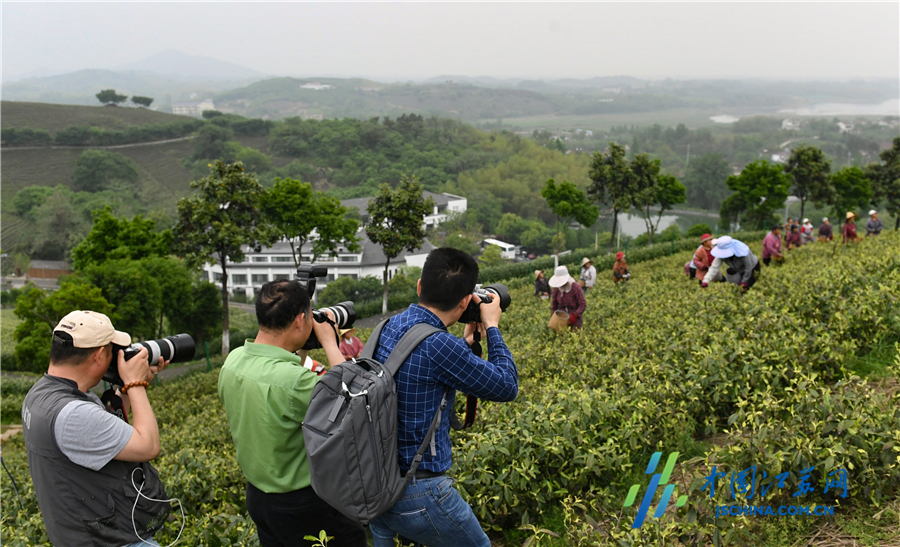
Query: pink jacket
(771, 245)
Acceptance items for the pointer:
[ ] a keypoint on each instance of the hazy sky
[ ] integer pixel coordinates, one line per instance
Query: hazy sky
(416, 40)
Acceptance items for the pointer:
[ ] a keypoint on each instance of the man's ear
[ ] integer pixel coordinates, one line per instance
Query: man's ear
(419, 287)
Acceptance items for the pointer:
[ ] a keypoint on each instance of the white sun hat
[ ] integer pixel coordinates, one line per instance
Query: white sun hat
(561, 277)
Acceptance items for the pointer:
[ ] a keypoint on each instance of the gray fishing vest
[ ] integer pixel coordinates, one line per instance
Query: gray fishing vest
(81, 506)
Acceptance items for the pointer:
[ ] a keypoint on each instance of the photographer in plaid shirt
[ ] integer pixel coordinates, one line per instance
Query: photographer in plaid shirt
(431, 512)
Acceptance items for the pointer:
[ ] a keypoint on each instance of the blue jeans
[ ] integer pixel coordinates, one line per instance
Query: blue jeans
(431, 512)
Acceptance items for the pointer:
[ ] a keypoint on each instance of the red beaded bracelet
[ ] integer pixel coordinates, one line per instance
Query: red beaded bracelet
(142, 383)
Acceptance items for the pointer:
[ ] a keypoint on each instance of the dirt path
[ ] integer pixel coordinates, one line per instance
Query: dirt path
(108, 147)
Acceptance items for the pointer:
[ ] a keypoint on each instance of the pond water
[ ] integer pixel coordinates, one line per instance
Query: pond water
(887, 108)
(633, 225)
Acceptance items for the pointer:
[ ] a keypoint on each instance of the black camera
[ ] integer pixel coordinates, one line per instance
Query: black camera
(487, 295)
(179, 348)
(343, 313)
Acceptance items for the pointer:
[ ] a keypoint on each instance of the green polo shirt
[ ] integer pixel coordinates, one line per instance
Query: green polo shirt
(265, 390)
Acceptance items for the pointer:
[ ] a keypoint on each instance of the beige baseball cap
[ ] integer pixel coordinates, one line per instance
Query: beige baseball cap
(88, 329)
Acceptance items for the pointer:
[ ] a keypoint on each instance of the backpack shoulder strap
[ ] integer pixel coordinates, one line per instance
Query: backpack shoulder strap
(368, 351)
(408, 342)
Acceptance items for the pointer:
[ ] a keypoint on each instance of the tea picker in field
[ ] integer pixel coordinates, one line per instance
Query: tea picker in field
(351, 346)
(806, 231)
(771, 249)
(265, 390)
(568, 297)
(742, 266)
(874, 224)
(620, 268)
(541, 287)
(702, 260)
(588, 274)
(849, 231)
(826, 231)
(793, 239)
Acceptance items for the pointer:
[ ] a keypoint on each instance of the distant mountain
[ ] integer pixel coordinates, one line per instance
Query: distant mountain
(178, 65)
(80, 88)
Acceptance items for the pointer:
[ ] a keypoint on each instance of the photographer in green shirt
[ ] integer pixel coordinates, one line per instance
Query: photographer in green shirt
(265, 390)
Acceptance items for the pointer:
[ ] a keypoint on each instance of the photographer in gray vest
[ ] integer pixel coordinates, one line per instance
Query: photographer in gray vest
(88, 464)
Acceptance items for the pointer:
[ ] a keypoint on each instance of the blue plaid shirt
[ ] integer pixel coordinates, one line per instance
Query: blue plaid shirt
(441, 361)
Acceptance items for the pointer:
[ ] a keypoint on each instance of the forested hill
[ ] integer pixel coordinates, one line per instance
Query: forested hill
(49, 191)
(356, 98)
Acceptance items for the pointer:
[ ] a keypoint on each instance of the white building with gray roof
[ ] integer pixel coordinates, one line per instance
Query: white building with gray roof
(277, 261)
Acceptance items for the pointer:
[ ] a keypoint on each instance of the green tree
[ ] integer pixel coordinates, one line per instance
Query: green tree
(396, 219)
(851, 191)
(149, 294)
(40, 312)
(59, 225)
(698, 230)
(203, 315)
(886, 181)
(759, 191)
(492, 255)
(296, 211)
(346, 288)
(568, 203)
(705, 181)
(29, 198)
(653, 190)
(612, 182)
(538, 238)
(96, 170)
(112, 238)
(212, 142)
(461, 241)
(109, 97)
(142, 101)
(809, 168)
(215, 223)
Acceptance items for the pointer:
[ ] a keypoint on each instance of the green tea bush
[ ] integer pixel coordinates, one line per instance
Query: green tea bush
(726, 378)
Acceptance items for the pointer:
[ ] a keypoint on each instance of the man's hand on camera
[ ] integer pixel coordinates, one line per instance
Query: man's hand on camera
(490, 313)
(470, 331)
(328, 337)
(136, 369)
(157, 368)
(325, 332)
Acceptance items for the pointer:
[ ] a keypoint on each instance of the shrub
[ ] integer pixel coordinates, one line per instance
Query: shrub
(697, 230)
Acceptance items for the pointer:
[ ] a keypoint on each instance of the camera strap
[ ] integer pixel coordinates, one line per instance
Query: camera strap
(337, 336)
(113, 403)
(471, 400)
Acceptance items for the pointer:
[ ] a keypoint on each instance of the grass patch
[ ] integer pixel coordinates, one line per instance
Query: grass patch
(872, 363)
(240, 320)
(8, 324)
(54, 117)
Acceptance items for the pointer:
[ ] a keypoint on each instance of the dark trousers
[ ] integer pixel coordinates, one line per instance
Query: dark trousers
(282, 520)
(766, 261)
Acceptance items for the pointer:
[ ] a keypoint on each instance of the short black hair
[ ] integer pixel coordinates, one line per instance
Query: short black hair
(447, 277)
(279, 302)
(63, 352)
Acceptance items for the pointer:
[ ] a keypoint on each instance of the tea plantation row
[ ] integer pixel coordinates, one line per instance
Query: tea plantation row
(726, 379)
